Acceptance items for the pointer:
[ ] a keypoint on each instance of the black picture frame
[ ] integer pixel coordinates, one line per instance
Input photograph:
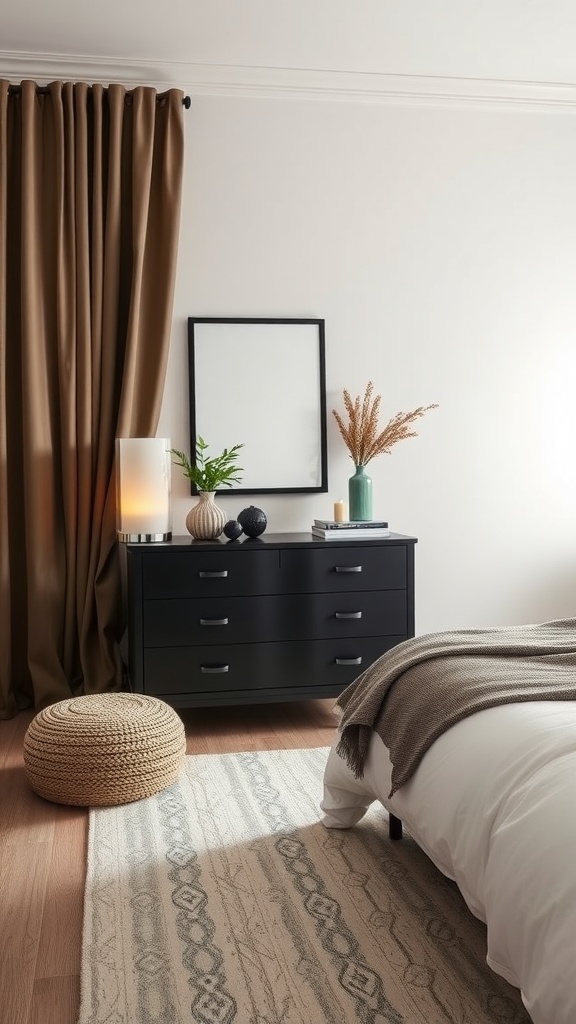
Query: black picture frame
(261, 382)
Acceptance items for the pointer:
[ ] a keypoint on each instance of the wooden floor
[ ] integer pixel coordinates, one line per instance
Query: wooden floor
(43, 853)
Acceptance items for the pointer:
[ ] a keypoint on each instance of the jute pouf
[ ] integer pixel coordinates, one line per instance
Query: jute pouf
(104, 749)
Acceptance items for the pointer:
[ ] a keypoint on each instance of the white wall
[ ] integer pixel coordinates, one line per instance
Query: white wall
(440, 247)
(523, 40)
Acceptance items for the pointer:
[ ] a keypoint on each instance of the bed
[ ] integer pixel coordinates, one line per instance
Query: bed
(469, 739)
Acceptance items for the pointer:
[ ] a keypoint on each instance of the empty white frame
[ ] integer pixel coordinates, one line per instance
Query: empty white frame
(261, 383)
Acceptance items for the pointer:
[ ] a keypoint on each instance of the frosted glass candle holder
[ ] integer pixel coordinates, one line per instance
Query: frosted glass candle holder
(143, 489)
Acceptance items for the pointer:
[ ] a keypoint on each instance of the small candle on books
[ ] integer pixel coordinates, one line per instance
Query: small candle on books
(339, 512)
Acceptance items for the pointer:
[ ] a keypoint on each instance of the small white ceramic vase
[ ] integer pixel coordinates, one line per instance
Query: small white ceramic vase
(205, 520)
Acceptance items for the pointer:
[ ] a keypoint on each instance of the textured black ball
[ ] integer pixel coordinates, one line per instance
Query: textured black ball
(253, 521)
(232, 530)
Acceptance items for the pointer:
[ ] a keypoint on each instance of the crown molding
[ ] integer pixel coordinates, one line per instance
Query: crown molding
(296, 83)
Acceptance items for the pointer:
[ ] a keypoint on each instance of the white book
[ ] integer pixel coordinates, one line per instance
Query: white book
(372, 533)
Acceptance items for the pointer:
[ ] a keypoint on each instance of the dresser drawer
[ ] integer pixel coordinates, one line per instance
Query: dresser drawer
(232, 620)
(215, 620)
(210, 675)
(339, 567)
(210, 573)
(360, 613)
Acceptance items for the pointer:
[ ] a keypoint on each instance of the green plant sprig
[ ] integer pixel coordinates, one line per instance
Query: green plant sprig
(210, 474)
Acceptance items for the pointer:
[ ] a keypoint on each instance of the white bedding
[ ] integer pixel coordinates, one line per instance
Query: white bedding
(493, 805)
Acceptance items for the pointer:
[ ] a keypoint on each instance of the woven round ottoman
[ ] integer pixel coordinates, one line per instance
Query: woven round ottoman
(104, 749)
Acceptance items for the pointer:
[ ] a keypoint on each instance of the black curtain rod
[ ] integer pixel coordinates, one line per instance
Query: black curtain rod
(15, 90)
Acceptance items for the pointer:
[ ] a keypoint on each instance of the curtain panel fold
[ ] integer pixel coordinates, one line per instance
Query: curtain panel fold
(90, 189)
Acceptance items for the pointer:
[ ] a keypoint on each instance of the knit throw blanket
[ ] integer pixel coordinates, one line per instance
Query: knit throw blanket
(417, 690)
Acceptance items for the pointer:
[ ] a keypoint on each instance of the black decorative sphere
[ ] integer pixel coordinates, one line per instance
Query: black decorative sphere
(253, 521)
(232, 529)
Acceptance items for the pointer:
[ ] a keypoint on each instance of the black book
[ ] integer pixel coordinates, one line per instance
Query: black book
(331, 524)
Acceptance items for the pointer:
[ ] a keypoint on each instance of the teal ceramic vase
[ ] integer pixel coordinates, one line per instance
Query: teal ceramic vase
(360, 496)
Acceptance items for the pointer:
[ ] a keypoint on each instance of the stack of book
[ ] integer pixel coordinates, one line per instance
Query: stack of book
(328, 529)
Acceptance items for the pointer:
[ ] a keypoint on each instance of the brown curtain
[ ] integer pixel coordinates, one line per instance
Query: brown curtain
(90, 184)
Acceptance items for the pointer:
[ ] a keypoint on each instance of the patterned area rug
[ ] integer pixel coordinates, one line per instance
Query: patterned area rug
(224, 899)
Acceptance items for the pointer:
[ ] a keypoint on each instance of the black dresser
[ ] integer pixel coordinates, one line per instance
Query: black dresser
(282, 617)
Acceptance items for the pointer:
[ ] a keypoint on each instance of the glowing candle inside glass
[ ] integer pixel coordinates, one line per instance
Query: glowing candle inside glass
(143, 470)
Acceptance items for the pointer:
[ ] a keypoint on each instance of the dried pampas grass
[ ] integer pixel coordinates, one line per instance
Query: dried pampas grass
(361, 435)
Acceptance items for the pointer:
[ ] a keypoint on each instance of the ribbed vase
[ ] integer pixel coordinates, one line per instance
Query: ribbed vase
(360, 496)
(205, 520)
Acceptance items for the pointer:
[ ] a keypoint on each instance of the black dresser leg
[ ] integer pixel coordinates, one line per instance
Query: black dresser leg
(394, 827)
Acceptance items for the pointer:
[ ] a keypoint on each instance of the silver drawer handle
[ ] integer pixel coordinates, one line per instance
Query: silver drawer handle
(213, 622)
(348, 661)
(347, 568)
(347, 615)
(214, 668)
(213, 575)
